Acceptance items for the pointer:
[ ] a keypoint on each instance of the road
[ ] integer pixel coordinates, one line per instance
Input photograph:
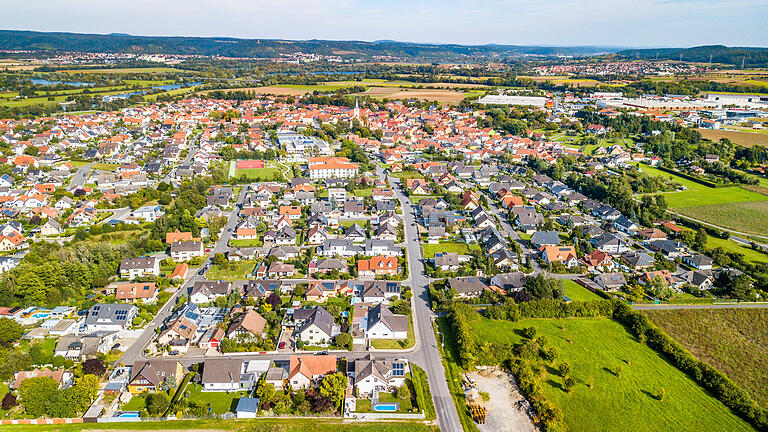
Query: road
(186, 160)
(78, 180)
(136, 350)
(425, 352)
(512, 234)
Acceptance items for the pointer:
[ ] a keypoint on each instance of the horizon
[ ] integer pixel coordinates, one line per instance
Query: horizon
(561, 23)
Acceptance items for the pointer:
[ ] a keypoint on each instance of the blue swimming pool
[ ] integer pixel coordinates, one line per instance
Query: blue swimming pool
(387, 407)
(127, 414)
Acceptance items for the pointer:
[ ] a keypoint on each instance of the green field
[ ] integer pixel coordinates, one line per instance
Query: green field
(246, 242)
(735, 341)
(575, 291)
(232, 271)
(596, 348)
(428, 250)
(257, 173)
(284, 424)
(104, 166)
(747, 217)
(731, 246)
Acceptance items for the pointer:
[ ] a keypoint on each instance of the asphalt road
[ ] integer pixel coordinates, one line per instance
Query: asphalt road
(425, 353)
(78, 180)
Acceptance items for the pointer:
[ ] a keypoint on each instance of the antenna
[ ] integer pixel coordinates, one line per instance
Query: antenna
(681, 56)
(710, 58)
(657, 55)
(742, 62)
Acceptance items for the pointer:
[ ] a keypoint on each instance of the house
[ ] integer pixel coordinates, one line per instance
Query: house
(669, 248)
(598, 259)
(327, 265)
(449, 261)
(292, 212)
(77, 347)
(609, 243)
(317, 329)
(281, 270)
(383, 324)
(624, 224)
(148, 213)
(132, 268)
(186, 250)
(509, 282)
(378, 291)
(663, 275)
(51, 228)
(306, 371)
(177, 235)
(371, 375)
(110, 317)
(208, 291)
(136, 292)
(377, 266)
(651, 234)
(225, 374)
(180, 329)
(545, 238)
(562, 254)
(698, 261)
(610, 281)
(149, 375)
(62, 377)
(470, 286)
(638, 260)
(247, 325)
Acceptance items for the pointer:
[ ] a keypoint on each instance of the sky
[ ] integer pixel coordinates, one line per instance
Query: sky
(631, 23)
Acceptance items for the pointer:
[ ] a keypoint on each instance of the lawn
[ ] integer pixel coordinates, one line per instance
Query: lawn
(221, 402)
(746, 217)
(428, 250)
(266, 174)
(407, 175)
(394, 344)
(246, 242)
(104, 166)
(416, 198)
(596, 348)
(231, 271)
(284, 424)
(731, 246)
(735, 341)
(575, 291)
(137, 403)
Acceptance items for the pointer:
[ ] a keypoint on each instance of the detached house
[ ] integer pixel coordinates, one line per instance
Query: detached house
(132, 268)
(306, 371)
(185, 250)
(149, 375)
(370, 375)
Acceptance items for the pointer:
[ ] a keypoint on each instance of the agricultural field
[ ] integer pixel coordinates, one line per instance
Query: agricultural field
(735, 341)
(746, 217)
(121, 70)
(743, 209)
(747, 139)
(441, 96)
(731, 246)
(625, 377)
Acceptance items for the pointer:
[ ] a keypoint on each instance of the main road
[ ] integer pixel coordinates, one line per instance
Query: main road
(426, 353)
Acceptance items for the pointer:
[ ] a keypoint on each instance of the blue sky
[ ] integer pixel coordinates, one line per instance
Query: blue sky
(522, 22)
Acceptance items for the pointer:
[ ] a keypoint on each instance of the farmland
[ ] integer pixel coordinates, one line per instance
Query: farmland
(625, 378)
(442, 96)
(747, 139)
(747, 217)
(735, 341)
(731, 246)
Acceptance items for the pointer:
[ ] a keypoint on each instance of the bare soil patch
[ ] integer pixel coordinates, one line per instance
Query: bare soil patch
(506, 408)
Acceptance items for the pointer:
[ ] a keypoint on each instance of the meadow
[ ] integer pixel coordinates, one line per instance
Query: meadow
(618, 379)
(575, 291)
(746, 217)
(735, 341)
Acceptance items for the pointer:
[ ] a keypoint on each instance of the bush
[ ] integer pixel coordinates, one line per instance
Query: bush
(403, 392)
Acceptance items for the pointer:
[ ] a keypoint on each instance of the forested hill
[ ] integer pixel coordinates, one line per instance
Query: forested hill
(267, 48)
(716, 53)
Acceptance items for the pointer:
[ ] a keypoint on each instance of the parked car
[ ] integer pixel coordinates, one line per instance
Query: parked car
(281, 345)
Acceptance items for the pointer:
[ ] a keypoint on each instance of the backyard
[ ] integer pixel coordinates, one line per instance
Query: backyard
(221, 402)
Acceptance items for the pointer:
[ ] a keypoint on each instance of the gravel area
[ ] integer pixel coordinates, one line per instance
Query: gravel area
(506, 408)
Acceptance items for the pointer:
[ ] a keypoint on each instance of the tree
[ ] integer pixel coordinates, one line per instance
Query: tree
(403, 392)
(94, 366)
(662, 394)
(542, 287)
(9, 401)
(529, 332)
(168, 384)
(266, 394)
(90, 385)
(157, 403)
(274, 300)
(343, 340)
(742, 288)
(568, 383)
(219, 258)
(35, 394)
(10, 331)
(564, 369)
(333, 387)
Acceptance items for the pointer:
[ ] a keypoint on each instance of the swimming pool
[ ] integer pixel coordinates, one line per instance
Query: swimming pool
(127, 414)
(387, 407)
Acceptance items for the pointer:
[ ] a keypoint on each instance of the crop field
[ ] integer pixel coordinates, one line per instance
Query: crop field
(442, 96)
(731, 246)
(747, 139)
(746, 217)
(625, 377)
(735, 341)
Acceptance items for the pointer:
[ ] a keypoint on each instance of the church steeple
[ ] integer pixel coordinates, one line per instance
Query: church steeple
(357, 109)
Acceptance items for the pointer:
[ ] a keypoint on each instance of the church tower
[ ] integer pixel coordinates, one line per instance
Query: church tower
(357, 109)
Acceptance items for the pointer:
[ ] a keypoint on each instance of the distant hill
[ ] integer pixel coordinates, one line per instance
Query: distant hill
(717, 53)
(268, 48)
